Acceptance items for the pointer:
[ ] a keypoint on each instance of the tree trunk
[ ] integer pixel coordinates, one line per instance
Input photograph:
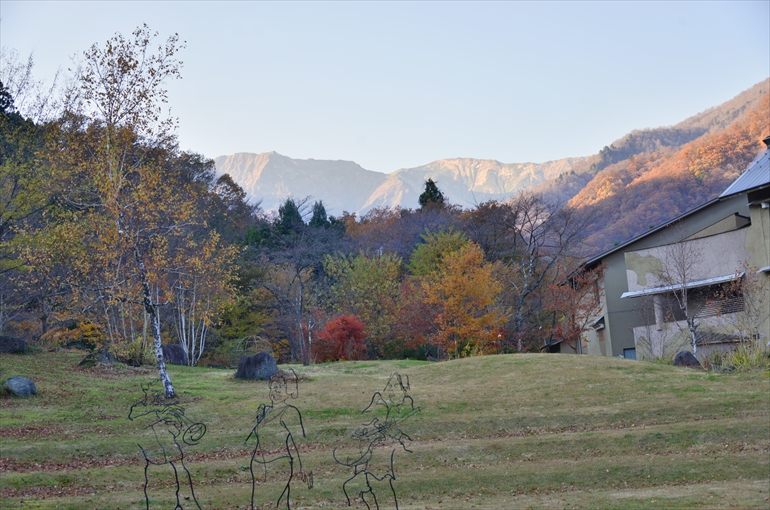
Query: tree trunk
(693, 336)
(168, 388)
(152, 312)
(302, 354)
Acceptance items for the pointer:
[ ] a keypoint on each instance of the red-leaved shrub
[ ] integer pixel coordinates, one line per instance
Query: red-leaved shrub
(342, 339)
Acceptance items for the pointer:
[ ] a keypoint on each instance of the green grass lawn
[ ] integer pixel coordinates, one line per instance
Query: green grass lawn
(495, 432)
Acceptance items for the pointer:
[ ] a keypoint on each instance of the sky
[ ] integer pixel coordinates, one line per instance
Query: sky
(394, 85)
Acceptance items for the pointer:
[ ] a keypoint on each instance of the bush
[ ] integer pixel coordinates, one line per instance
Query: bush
(417, 350)
(83, 335)
(133, 354)
(747, 356)
(342, 339)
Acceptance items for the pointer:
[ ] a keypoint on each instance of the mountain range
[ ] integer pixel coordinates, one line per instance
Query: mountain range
(583, 182)
(346, 186)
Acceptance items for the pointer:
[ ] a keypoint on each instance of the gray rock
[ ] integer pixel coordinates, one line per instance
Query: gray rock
(20, 387)
(105, 356)
(11, 344)
(686, 359)
(174, 354)
(259, 366)
(102, 356)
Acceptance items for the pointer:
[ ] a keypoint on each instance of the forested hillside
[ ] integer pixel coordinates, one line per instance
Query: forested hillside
(649, 187)
(635, 183)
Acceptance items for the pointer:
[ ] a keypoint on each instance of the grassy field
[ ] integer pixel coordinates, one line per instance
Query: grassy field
(496, 432)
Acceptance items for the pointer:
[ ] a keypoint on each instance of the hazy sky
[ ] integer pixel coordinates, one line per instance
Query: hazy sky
(399, 84)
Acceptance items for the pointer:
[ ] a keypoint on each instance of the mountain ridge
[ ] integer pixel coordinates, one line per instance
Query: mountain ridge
(272, 177)
(344, 185)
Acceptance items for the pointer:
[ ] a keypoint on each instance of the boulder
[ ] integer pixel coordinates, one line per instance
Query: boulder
(686, 359)
(11, 344)
(20, 387)
(102, 356)
(259, 366)
(173, 354)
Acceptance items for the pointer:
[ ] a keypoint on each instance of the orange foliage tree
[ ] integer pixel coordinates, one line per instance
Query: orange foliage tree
(464, 291)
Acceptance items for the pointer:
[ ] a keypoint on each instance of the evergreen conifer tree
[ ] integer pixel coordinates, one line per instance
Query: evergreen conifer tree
(319, 219)
(432, 196)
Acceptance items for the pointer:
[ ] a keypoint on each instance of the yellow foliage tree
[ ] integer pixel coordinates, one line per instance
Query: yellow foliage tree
(133, 204)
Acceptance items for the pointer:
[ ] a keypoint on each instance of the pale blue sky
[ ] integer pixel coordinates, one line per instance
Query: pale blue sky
(399, 84)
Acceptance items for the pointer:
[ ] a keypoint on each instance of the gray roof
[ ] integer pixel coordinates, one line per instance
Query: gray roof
(757, 175)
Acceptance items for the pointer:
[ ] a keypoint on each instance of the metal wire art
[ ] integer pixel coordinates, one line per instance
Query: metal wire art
(276, 425)
(171, 430)
(378, 441)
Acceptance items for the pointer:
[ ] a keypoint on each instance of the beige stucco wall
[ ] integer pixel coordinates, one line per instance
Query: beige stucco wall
(596, 344)
(758, 243)
(653, 343)
(717, 255)
(744, 250)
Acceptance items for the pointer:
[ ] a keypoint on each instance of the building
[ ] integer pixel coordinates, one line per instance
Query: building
(704, 275)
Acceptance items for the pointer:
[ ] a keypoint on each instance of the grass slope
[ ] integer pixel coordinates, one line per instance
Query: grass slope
(496, 432)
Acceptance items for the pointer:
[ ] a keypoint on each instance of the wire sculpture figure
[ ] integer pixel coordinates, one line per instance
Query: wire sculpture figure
(276, 425)
(171, 430)
(378, 436)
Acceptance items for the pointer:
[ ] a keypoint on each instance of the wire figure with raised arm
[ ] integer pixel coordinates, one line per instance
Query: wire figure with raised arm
(171, 430)
(276, 426)
(378, 441)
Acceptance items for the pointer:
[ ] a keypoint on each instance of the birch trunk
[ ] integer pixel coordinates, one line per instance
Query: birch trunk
(693, 335)
(152, 312)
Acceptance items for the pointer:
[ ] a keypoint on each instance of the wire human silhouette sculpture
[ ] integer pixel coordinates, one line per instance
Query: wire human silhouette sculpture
(171, 430)
(379, 436)
(274, 431)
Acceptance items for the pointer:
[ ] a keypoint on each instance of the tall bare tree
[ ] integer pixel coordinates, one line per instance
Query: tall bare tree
(681, 261)
(295, 253)
(119, 141)
(746, 305)
(33, 98)
(535, 240)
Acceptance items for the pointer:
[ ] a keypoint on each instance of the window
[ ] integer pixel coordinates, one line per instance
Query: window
(718, 300)
(629, 353)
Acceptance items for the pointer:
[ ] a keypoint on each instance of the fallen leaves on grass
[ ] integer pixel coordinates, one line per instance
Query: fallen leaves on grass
(10, 465)
(44, 492)
(30, 433)
(113, 371)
